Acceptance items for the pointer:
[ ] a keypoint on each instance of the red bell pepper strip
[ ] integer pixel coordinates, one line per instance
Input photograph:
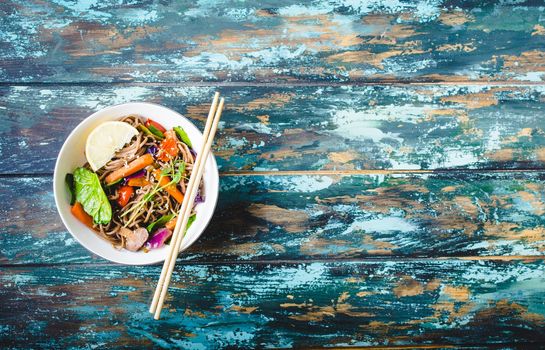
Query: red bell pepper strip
(124, 195)
(154, 123)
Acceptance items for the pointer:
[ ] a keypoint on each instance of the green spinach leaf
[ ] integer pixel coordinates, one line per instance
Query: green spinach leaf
(90, 194)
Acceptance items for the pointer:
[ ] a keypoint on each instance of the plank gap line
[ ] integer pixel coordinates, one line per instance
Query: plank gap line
(374, 172)
(366, 260)
(434, 346)
(332, 172)
(279, 84)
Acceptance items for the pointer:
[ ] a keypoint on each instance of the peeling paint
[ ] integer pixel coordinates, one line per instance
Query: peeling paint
(69, 41)
(330, 303)
(379, 127)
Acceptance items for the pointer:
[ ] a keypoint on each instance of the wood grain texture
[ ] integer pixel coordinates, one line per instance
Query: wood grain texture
(276, 41)
(448, 256)
(280, 305)
(319, 217)
(304, 128)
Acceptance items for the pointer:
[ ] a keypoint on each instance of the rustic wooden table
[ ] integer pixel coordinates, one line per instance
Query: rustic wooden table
(382, 172)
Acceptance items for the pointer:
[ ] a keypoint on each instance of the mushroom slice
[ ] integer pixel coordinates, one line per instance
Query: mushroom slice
(134, 240)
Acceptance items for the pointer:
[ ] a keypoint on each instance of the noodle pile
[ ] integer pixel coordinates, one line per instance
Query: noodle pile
(161, 204)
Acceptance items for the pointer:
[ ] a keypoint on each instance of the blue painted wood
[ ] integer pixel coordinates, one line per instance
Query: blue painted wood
(288, 40)
(437, 303)
(288, 260)
(269, 218)
(304, 128)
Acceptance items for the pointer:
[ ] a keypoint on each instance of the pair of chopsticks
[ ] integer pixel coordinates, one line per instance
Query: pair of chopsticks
(190, 193)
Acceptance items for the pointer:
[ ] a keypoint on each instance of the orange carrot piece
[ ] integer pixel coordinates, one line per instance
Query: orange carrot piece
(168, 149)
(134, 166)
(81, 215)
(171, 189)
(138, 182)
(171, 224)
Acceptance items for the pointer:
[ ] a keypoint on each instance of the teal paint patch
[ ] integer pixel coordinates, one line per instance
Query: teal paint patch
(4, 330)
(521, 19)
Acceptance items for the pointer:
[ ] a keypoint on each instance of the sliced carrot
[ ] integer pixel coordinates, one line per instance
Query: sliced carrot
(81, 215)
(138, 182)
(171, 189)
(134, 166)
(168, 149)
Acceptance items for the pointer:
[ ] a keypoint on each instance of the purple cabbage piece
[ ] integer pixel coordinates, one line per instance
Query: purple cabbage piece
(193, 152)
(159, 238)
(199, 198)
(152, 150)
(137, 174)
(140, 173)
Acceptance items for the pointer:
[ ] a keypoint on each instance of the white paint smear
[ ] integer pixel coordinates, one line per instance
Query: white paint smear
(384, 224)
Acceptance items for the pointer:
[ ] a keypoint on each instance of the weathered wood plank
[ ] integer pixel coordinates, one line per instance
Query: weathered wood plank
(304, 128)
(294, 305)
(279, 41)
(319, 217)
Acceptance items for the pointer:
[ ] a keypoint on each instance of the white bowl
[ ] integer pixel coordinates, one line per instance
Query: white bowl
(72, 156)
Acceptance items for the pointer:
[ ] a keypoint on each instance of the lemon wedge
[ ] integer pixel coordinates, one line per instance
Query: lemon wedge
(105, 140)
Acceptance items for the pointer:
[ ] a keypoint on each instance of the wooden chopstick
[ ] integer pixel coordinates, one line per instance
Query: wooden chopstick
(192, 195)
(183, 217)
(185, 205)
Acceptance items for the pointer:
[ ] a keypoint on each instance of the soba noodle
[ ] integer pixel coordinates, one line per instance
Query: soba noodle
(161, 204)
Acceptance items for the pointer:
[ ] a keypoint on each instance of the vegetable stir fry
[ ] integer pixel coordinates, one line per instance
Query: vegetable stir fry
(134, 195)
